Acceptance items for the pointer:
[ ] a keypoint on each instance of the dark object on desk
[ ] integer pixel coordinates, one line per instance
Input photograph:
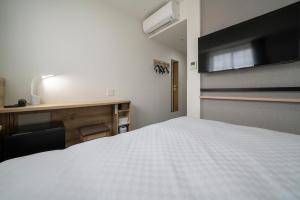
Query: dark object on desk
(32, 139)
(21, 103)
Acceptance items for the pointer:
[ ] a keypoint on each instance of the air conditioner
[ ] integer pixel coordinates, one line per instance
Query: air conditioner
(167, 14)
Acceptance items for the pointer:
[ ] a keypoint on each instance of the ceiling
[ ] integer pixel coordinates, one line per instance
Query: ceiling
(138, 8)
(174, 36)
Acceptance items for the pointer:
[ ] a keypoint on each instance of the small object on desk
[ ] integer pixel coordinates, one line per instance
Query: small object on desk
(11, 106)
(93, 132)
(21, 103)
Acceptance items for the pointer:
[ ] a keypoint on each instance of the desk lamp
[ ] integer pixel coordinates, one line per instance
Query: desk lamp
(35, 99)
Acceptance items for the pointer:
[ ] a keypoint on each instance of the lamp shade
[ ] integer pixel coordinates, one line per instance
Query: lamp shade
(35, 99)
(47, 76)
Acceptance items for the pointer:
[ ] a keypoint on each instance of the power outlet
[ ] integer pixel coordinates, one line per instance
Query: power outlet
(110, 92)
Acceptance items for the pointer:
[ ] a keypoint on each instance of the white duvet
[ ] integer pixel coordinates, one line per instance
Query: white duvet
(184, 158)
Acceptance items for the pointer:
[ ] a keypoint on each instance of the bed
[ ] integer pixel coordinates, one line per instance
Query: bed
(183, 158)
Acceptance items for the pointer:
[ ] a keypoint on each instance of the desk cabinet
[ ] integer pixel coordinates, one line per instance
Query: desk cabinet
(73, 116)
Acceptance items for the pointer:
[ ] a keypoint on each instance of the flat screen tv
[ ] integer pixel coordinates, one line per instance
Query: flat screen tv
(272, 38)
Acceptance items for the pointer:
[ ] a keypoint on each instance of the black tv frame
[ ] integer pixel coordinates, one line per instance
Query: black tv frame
(234, 29)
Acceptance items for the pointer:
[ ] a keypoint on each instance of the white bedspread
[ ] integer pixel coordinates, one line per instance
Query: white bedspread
(183, 158)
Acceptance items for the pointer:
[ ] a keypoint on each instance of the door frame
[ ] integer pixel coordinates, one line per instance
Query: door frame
(172, 84)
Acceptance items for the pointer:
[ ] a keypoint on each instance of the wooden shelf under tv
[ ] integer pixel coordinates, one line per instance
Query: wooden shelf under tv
(258, 99)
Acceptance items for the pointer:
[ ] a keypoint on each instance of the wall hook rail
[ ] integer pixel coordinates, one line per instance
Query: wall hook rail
(161, 67)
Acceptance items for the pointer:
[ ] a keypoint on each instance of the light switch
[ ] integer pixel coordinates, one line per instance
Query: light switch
(194, 65)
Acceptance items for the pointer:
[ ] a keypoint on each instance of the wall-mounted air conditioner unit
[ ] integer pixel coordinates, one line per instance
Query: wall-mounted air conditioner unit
(167, 14)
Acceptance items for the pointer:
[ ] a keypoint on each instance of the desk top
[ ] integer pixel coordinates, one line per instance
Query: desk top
(48, 107)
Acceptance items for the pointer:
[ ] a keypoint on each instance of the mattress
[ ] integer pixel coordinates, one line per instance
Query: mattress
(183, 158)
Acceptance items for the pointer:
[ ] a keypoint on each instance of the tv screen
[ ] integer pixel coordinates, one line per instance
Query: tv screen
(268, 39)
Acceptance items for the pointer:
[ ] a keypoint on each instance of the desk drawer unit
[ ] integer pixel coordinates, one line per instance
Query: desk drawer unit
(34, 139)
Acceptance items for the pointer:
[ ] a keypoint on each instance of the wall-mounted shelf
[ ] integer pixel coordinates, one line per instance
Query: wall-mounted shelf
(125, 124)
(257, 99)
(257, 89)
(121, 111)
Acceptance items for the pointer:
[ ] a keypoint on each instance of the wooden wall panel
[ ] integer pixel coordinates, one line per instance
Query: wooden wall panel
(76, 118)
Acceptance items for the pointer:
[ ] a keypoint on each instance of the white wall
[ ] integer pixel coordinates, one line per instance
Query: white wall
(190, 10)
(90, 46)
(219, 14)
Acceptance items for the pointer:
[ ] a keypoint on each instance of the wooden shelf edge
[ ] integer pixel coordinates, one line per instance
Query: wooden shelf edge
(49, 107)
(120, 111)
(127, 124)
(259, 99)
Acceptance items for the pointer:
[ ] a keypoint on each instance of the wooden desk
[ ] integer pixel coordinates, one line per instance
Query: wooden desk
(73, 115)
